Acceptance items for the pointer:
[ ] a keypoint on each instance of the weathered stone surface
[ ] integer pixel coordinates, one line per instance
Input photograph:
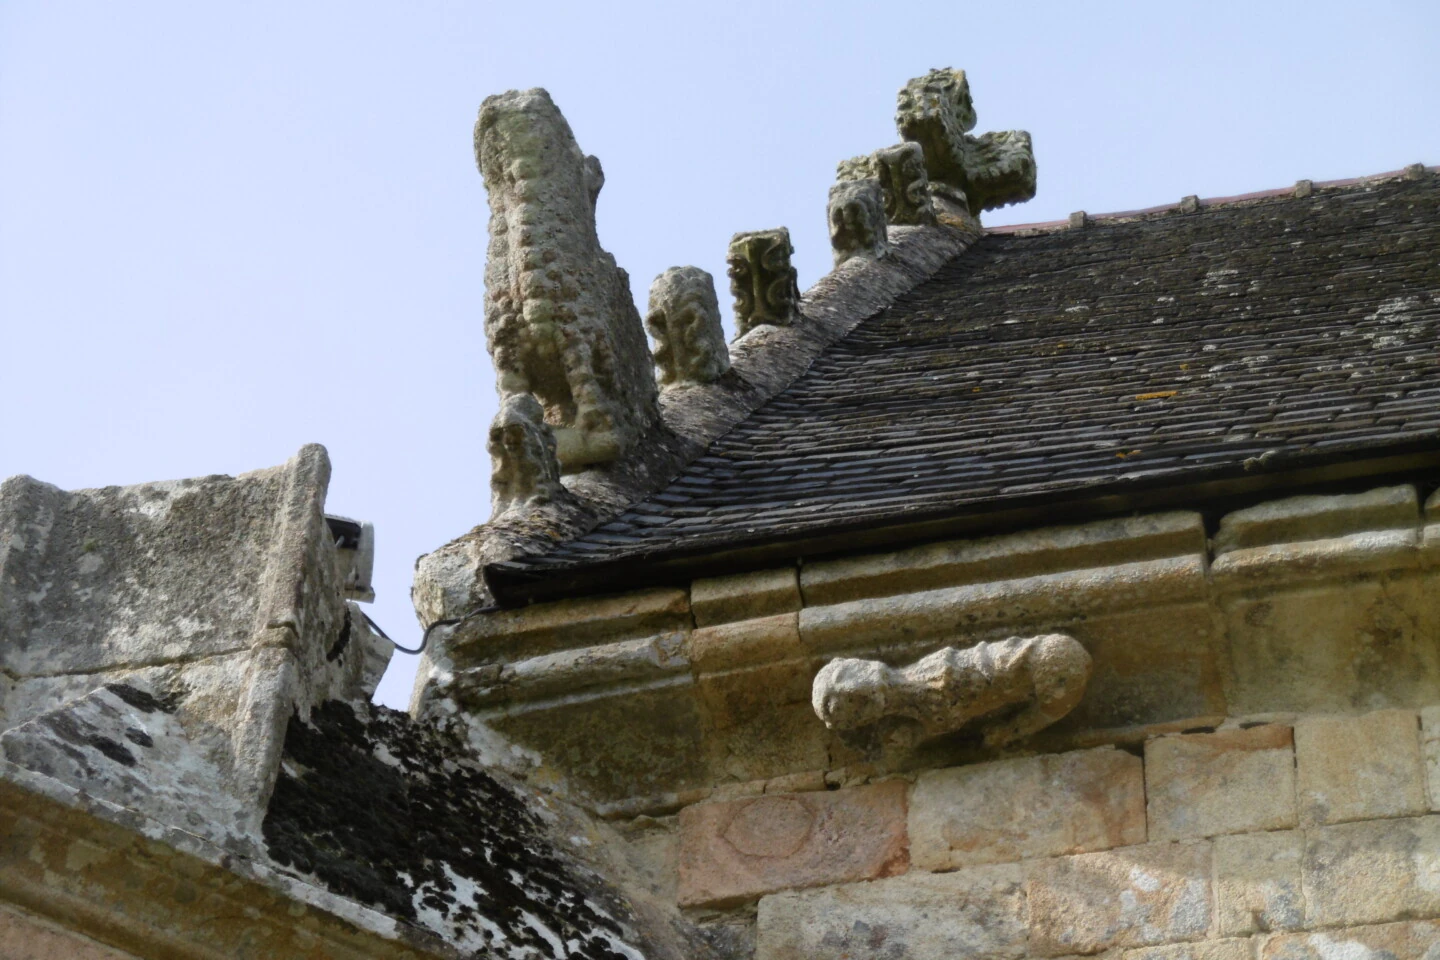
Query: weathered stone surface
(502, 635)
(684, 319)
(617, 745)
(971, 173)
(1372, 872)
(1360, 768)
(1430, 751)
(125, 744)
(23, 937)
(1006, 557)
(856, 213)
(1135, 896)
(977, 914)
(1209, 950)
(223, 595)
(1318, 518)
(559, 320)
(762, 280)
(745, 596)
(647, 659)
(1044, 676)
(1391, 941)
(1257, 883)
(757, 722)
(747, 642)
(901, 172)
(736, 851)
(1334, 644)
(1043, 806)
(524, 471)
(1231, 781)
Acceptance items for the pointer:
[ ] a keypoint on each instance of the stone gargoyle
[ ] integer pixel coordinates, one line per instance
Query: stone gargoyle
(1013, 688)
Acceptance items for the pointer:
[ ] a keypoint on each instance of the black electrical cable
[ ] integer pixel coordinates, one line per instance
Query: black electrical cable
(425, 638)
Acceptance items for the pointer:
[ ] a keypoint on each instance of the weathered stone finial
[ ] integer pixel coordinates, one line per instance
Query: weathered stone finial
(1044, 677)
(762, 279)
(967, 174)
(559, 319)
(684, 319)
(901, 172)
(524, 470)
(857, 220)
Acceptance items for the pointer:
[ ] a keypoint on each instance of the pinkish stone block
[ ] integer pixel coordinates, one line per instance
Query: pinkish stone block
(739, 850)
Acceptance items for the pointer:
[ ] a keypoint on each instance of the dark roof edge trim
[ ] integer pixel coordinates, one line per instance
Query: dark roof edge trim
(517, 584)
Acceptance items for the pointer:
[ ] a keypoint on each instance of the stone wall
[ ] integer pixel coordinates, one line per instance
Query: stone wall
(1253, 771)
(1273, 840)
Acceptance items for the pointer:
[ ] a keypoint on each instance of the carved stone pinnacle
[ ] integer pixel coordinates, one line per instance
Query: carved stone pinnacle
(559, 319)
(762, 279)
(857, 220)
(967, 174)
(1040, 680)
(684, 319)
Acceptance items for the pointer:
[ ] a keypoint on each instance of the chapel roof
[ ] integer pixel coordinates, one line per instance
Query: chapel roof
(1092, 359)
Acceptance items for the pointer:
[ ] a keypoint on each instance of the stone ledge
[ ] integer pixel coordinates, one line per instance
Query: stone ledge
(960, 562)
(745, 596)
(1295, 519)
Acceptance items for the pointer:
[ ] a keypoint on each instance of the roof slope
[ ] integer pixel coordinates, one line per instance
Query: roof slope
(1156, 349)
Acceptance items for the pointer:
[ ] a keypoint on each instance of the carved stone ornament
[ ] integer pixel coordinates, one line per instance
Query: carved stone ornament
(684, 319)
(857, 220)
(762, 279)
(901, 172)
(967, 174)
(524, 470)
(559, 319)
(1027, 682)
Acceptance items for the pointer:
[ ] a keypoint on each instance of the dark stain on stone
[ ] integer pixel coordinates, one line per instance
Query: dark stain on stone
(342, 641)
(142, 700)
(139, 737)
(379, 831)
(68, 728)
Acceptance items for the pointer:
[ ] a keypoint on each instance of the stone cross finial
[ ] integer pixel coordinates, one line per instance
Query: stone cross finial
(901, 172)
(857, 220)
(762, 279)
(559, 319)
(1044, 677)
(684, 319)
(967, 174)
(524, 470)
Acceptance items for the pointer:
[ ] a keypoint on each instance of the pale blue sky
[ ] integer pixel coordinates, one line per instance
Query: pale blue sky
(228, 230)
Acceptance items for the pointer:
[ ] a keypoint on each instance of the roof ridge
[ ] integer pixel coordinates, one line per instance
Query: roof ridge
(764, 363)
(1193, 204)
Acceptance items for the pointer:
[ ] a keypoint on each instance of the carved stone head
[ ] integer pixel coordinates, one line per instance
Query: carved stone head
(524, 470)
(849, 693)
(684, 319)
(857, 220)
(762, 279)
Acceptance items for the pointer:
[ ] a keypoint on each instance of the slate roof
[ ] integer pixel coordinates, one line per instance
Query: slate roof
(1160, 348)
